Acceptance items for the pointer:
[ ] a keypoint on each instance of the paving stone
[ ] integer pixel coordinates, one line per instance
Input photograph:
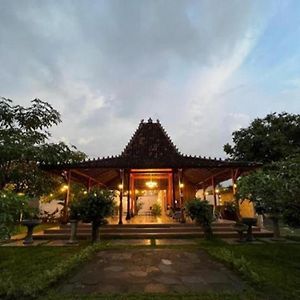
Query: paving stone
(174, 242)
(166, 262)
(192, 279)
(112, 272)
(155, 288)
(113, 269)
(167, 279)
(192, 257)
(138, 273)
(166, 269)
(152, 269)
(211, 276)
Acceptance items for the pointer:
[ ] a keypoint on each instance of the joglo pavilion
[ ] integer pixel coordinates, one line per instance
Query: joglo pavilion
(152, 170)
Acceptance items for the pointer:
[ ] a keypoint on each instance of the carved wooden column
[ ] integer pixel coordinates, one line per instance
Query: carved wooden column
(132, 195)
(121, 189)
(180, 185)
(67, 198)
(214, 191)
(234, 176)
(173, 190)
(128, 215)
(170, 191)
(204, 192)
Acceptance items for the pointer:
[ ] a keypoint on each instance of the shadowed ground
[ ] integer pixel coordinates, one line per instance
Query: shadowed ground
(152, 270)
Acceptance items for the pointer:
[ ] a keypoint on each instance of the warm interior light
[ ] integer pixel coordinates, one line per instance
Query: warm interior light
(64, 188)
(137, 191)
(120, 186)
(217, 191)
(206, 193)
(85, 192)
(181, 185)
(235, 185)
(151, 184)
(51, 195)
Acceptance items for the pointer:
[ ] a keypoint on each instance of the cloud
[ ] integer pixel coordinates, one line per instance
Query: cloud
(107, 64)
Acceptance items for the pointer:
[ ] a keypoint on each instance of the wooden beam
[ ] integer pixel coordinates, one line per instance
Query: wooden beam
(86, 176)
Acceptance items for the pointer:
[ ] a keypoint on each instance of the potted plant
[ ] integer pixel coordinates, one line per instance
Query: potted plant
(200, 211)
(74, 214)
(156, 210)
(249, 222)
(30, 220)
(240, 228)
(94, 207)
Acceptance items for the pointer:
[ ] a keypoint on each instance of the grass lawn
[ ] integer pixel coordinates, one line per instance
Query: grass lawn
(24, 270)
(272, 270)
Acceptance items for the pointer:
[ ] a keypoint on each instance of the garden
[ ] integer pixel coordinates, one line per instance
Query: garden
(270, 268)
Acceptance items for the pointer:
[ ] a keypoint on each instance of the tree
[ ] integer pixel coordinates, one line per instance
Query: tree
(201, 211)
(267, 140)
(275, 191)
(94, 207)
(24, 144)
(289, 173)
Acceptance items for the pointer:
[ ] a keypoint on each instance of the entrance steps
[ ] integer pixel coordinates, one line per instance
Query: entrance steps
(147, 231)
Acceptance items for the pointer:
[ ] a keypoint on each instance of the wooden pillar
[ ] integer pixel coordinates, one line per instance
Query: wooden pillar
(204, 192)
(170, 191)
(67, 198)
(132, 195)
(121, 189)
(214, 191)
(234, 175)
(173, 190)
(128, 215)
(180, 185)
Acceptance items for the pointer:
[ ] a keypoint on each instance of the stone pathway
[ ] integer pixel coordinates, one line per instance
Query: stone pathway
(152, 271)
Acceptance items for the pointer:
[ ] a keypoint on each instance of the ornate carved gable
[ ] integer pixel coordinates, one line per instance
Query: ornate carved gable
(150, 141)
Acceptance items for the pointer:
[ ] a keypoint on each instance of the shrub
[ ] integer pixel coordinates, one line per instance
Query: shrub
(201, 211)
(12, 208)
(156, 210)
(94, 207)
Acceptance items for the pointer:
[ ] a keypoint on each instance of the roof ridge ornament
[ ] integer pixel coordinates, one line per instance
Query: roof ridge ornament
(150, 120)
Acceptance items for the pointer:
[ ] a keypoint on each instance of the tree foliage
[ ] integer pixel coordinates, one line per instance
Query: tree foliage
(275, 190)
(24, 144)
(270, 139)
(12, 208)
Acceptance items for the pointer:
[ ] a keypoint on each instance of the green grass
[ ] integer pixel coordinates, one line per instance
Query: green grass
(29, 271)
(272, 268)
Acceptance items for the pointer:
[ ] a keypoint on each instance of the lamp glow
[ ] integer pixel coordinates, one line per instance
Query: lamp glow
(151, 184)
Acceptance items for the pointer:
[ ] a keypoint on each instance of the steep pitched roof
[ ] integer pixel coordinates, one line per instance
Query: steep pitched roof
(150, 141)
(151, 148)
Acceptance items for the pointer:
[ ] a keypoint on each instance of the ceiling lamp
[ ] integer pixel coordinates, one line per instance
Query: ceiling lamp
(151, 184)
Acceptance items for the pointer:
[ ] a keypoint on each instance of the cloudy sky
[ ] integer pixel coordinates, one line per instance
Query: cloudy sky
(204, 68)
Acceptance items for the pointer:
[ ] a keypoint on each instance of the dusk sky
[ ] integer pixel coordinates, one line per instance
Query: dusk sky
(203, 68)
